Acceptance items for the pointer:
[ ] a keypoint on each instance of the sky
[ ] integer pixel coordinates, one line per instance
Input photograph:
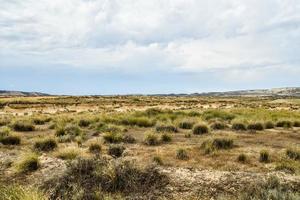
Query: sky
(83, 47)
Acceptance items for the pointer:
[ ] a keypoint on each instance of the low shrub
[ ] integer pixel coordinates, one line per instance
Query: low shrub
(48, 144)
(151, 139)
(182, 154)
(293, 154)
(187, 135)
(242, 158)
(218, 125)
(218, 114)
(68, 153)
(257, 126)
(23, 126)
(269, 125)
(166, 137)
(95, 148)
(264, 156)
(4, 121)
(200, 129)
(113, 137)
(116, 150)
(41, 120)
(10, 140)
(28, 163)
(4, 131)
(239, 126)
(166, 128)
(286, 167)
(284, 124)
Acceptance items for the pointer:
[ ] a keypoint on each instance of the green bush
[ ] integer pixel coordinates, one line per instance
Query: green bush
(182, 154)
(28, 163)
(10, 140)
(151, 139)
(284, 124)
(166, 128)
(269, 125)
(113, 137)
(48, 144)
(68, 133)
(257, 126)
(116, 150)
(238, 126)
(264, 156)
(23, 126)
(200, 129)
(293, 154)
(166, 137)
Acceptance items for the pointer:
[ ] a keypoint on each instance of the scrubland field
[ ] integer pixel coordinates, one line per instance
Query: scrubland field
(149, 147)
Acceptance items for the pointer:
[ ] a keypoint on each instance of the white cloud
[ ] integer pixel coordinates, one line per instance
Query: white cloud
(137, 36)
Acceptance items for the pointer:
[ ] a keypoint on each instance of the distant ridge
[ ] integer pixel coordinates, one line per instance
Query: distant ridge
(286, 91)
(22, 94)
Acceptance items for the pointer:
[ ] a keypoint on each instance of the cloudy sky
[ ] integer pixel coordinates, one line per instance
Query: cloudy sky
(148, 46)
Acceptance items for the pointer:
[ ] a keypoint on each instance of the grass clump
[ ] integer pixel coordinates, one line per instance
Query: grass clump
(166, 137)
(269, 125)
(256, 126)
(200, 129)
(113, 137)
(116, 150)
(84, 122)
(218, 114)
(23, 126)
(28, 163)
(151, 139)
(186, 124)
(218, 125)
(284, 124)
(129, 139)
(166, 128)
(286, 166)
(137, 121)
(91, 178)
(264, 156)
(158, 160)
(68, 153)
(296, 124)
(293, 154)
(4, 131)
(95, 148)
(4, 121)
(18, 192)
(182, 154)
(47, 144)
(41, 120)
(10, 140)
(239, 126)
(242, 158)
(222, 143)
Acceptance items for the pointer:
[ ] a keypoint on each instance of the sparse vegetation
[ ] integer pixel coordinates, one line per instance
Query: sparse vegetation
(23, 126)
(218, 125)
(182, 154)
(113, 137)
(166, 137)
(186, 124)
(242, 158)
(257, 126)
(264, 156)
(151, 139)
(68, 153)
(95, 148)
(284, 124)
(293, 154)
(166, 128)
(239, 126)
(116, 150)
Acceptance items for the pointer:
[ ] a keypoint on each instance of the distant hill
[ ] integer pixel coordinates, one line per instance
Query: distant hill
(287, 91)
(20, 93)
